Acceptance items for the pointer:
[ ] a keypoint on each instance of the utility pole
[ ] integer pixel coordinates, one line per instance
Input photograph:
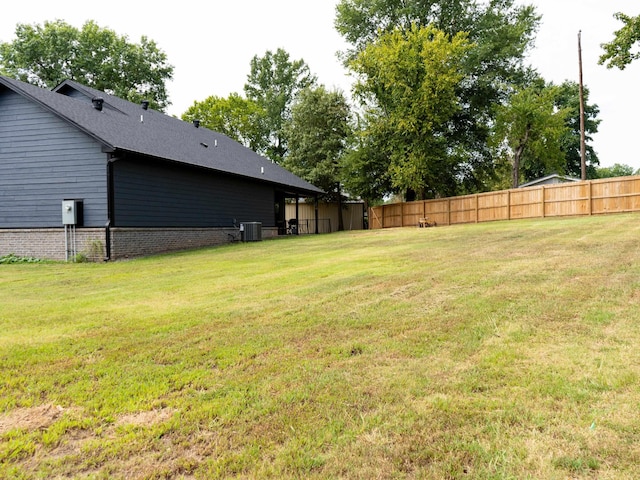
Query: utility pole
(583, 150)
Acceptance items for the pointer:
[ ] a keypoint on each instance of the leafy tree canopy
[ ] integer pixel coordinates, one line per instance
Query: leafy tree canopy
(237, 117)
(616, 170)
(528, 130)
(48, 54)
(499, 33)
(410, 78)
(317, 134)
(273, 83)
(365, 166)
(619, 52)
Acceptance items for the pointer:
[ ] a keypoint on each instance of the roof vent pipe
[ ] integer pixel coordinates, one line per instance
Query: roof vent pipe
(145, 104)
(97, 103)
(196, 123)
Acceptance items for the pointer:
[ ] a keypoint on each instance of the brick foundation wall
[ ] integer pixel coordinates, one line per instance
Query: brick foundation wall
(136, 242)
(49, 243)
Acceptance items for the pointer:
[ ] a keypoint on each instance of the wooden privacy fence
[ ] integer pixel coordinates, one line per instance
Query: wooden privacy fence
(594, 197)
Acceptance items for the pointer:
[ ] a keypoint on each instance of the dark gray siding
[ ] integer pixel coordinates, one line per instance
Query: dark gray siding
(44, 160)
(159, 194)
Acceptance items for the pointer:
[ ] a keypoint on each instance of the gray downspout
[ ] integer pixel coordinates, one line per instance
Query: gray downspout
(110, 208)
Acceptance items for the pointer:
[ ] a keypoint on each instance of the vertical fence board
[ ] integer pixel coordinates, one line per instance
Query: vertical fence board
(526, 203)
(412, 212)
(392, 215)
(437, 211)
(493, 206)
(375, 218)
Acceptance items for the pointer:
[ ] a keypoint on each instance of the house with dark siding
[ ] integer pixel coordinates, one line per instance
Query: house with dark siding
(143, 182)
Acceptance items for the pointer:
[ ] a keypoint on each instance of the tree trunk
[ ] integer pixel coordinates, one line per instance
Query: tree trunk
(517, 155)
(515, 172)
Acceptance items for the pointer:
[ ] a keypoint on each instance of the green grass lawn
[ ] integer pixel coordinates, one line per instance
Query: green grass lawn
(489, 351)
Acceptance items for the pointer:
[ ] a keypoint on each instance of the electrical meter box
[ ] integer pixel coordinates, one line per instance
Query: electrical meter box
(72, 212)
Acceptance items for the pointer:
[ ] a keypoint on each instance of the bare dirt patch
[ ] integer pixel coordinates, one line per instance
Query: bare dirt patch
(150, 417)
(34, 418)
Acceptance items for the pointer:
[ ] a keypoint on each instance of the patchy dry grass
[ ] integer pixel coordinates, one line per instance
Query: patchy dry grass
(503, 350)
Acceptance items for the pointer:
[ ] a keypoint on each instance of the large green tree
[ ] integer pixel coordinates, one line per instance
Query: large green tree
(273, 83)
(410, 77)
(45, 55)
(567, 97)
(235, 116)
(365, 166)
(317, 133)
(500, 32)
(620, 51)
(528, 131)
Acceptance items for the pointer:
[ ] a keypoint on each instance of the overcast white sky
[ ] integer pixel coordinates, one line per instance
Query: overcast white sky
(211, 43)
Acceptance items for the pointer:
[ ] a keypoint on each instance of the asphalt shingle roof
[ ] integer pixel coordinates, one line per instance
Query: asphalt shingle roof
(123, 125)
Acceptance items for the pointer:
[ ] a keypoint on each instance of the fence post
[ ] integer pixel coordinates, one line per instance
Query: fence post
(590, 197)
(477, 200)
(543, 199)
(508, 204)
(449, 211)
